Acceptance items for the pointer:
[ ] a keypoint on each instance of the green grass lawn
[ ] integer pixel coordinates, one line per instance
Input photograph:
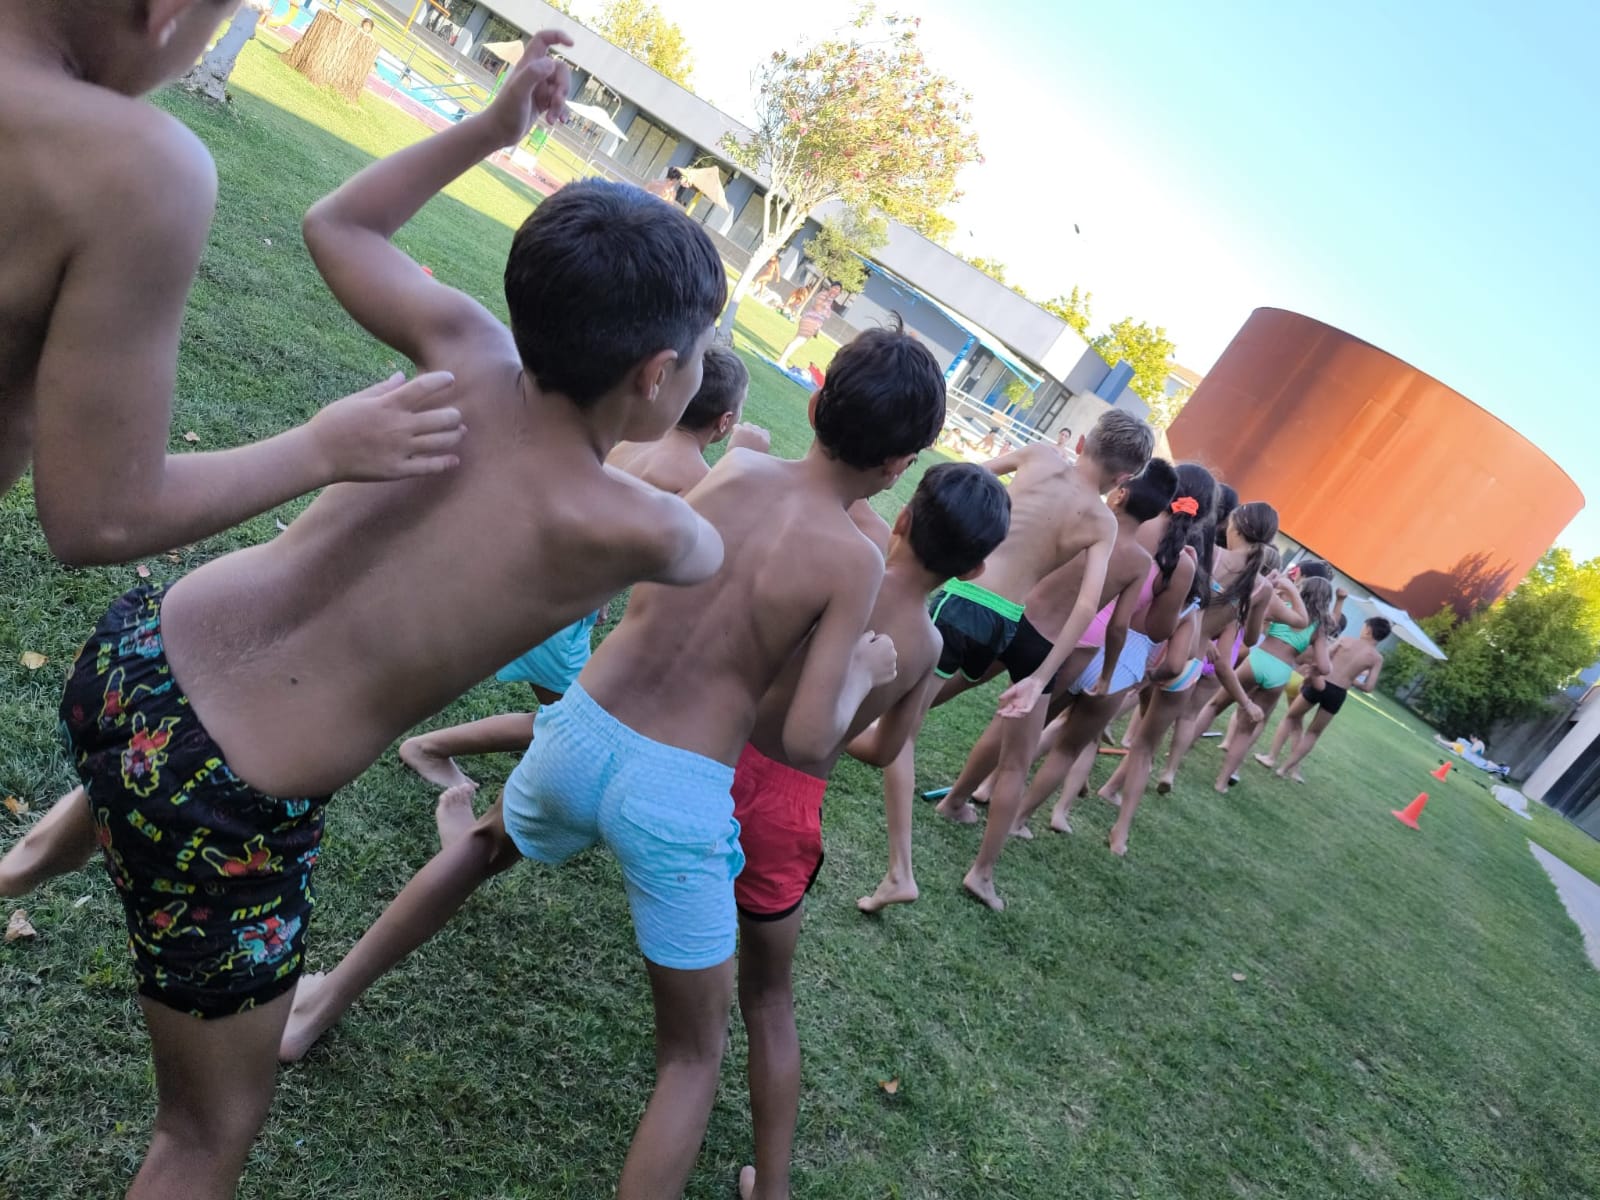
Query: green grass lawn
(1416, 1017)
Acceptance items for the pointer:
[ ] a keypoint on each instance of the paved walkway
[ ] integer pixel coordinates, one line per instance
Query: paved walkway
(1579, 893)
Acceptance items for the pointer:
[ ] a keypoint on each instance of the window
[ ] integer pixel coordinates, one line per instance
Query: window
(598, 94)
(647, 149)
(747, 229)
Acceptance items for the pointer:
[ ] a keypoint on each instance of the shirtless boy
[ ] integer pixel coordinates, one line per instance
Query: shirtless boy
(1056, 514)
(95, 268)
(211, 721)
(674, 464)
(640, 753)
(1356, 663)
(958, 514)
(1143, 498)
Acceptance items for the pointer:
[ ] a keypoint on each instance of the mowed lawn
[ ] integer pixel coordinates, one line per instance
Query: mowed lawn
(1415, 1019)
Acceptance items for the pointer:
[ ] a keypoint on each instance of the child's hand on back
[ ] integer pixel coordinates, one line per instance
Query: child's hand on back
(537, 85)
(393, 430)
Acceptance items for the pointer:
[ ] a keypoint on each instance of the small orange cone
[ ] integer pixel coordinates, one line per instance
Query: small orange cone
(1409, 814)
(1444, 769)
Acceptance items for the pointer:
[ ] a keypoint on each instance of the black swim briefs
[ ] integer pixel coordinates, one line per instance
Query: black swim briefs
(1329, 696)
(214, 876)
(981, 628)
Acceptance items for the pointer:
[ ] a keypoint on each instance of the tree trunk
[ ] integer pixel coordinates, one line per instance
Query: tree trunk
(334, 54)
(209, 76)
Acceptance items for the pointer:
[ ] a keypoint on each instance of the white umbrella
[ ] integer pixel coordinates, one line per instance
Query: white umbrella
(509, 53)
(1399, 619)
(707, 182)
(598, 117)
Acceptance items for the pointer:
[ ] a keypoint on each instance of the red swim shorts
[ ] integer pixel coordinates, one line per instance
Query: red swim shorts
(779, 810)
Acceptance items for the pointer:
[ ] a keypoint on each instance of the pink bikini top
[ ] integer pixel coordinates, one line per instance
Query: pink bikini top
(1095, 635)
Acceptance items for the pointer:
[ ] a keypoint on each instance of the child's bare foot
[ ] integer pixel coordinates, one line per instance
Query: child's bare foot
(890, 891)
(1022, 832)
(1297, 777)
(1060, 821)
(306, 1021)
(453, 815)
(1111, 795)
(1118, 842)
(747, 1183)
(981, 793)
(1266, 760)
(961, 814)
(982, 890)
(438, 769)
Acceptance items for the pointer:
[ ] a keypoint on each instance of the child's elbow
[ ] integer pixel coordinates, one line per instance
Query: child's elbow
(100, 546)
(316, 227)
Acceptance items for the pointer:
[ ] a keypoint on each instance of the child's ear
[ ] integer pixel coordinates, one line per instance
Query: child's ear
(811, 409)
(902, 522)
(160, 19)
(896, 467)
(651, 374)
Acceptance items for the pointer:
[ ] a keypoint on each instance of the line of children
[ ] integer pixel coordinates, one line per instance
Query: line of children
(1057, 513)
(1354, 663)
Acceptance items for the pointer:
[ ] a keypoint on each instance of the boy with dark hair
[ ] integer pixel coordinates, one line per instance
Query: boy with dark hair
(1356, 663)
(1056, 514)
(640, 753)
(91, 308)
(958, 514)
(210, 722)
(674, 464)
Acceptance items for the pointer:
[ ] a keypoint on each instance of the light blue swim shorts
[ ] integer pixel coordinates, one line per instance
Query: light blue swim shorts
(556, 662)
(665, 813)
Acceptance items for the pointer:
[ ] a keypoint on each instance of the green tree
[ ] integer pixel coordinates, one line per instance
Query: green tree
(992, 267)
(860, 119)
(1073, 309)
(1405, 665)
(837, 248)
(1148, 350)
(640, 28)
(1511, 657)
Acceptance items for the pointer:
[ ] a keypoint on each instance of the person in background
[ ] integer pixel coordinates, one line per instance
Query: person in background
(818, 311)
(666, 188)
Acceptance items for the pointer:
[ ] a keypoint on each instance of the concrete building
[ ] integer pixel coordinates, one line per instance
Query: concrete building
(1568, 780)
(1009, 362)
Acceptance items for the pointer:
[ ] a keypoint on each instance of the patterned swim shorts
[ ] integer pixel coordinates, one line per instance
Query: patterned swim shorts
(214, 876)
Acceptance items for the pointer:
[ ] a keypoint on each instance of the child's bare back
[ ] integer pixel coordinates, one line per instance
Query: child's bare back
(688, 666)
(1055, 514)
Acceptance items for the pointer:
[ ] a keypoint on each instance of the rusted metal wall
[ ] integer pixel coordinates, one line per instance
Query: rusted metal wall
(1396, 479)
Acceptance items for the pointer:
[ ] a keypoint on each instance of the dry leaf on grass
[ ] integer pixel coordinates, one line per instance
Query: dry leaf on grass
(142, 571)
(173, 556)
(33, 660)
(890, 1086)
(191, 436)
(82, 900)
(18, 928)
(1239, 976)
(17, 807)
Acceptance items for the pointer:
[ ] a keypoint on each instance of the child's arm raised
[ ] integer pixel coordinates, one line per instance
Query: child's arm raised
(105, 488)
(348, 231)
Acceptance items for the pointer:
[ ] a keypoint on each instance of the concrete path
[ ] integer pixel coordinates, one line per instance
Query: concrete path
(1579, 893)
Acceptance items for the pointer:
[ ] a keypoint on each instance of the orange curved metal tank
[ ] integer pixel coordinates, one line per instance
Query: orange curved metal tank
(1397, 480)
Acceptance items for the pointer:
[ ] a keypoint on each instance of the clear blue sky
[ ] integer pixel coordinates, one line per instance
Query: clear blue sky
(1423, 174)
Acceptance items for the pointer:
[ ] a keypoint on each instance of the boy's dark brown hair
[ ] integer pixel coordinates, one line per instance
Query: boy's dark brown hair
(600, 277)
(883, 398)
(959, 514)
(722, 388)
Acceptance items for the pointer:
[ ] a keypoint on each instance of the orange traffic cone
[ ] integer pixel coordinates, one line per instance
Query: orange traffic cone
(1444, 769)
(1409, 814)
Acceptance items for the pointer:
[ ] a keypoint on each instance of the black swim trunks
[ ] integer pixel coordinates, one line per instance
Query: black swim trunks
(981, 628)
(1329, 696)
(215, 877)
